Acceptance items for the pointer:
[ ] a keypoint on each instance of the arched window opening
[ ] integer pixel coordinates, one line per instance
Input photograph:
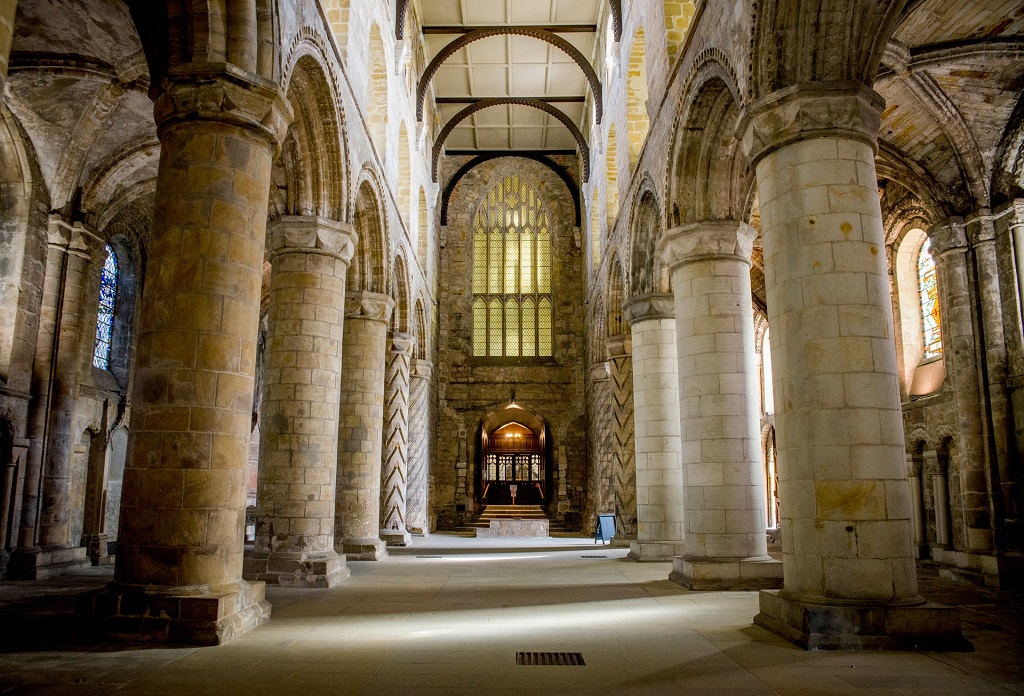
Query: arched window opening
(931, 324)
(105, 313)
(512, 273)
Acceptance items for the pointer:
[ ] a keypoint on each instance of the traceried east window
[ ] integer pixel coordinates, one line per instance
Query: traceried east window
(105, 315)
(931, 323)
(512, 273)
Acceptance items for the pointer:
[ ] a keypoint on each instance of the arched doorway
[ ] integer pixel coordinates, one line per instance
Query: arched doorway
(514, 458)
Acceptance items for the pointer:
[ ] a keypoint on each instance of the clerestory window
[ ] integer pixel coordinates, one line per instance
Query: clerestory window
(931, 324)
(512, 273)
(105, 314)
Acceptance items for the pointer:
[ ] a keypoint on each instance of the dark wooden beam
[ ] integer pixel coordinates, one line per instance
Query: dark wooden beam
(474, 100)
(554, 28)
(508, 153)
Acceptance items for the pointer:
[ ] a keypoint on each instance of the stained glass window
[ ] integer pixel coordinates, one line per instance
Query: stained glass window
(931, 323)
(105, 314)
(512, 273)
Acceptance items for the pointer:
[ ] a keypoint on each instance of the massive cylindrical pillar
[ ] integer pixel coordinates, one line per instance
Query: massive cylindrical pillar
(659, 475)
(725, 546)
(850, 579)
(299, 420)
(178, 575)
(361, 426)
(394, 486)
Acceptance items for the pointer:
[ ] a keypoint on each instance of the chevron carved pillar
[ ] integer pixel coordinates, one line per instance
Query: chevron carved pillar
(416, 505)
(395, 471)
(602, 475)
(620, 360)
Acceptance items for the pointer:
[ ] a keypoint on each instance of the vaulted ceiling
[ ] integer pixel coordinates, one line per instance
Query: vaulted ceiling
(507, 66)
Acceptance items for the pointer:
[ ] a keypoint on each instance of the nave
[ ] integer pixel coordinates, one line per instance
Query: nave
(447, 618)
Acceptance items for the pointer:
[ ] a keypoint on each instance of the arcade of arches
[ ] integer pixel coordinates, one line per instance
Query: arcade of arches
(285, 284)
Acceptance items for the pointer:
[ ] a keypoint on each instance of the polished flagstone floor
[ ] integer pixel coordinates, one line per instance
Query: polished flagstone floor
(418, 626)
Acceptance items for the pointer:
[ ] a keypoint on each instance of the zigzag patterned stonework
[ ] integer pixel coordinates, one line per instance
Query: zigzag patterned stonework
(602, 476)
(419, 447)
(396, 447)
(623, 449)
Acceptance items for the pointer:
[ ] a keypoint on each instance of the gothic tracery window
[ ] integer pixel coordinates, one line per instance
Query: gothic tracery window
(105, 314)
(512, 273)
(931, 323)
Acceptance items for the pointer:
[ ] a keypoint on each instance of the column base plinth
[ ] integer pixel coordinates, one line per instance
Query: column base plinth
(46, 562)
(704, 574)
(294, 569)
(653, 551)
(924, 626)
(622, 541)
(369, 549)
(396, 537)
(147, 614)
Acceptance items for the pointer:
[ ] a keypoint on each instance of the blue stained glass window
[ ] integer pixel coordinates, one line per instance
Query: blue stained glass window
(930, 321)
(105, 315)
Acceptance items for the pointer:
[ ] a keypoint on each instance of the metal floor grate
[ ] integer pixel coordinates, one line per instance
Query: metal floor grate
(430, 557)
(556, 659)
(586, 556)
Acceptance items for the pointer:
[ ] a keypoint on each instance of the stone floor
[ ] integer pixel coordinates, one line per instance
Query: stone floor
(452, 625)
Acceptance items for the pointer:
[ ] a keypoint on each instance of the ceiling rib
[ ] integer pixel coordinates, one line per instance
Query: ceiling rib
(554, 28)
(514, 101)
(473, 100)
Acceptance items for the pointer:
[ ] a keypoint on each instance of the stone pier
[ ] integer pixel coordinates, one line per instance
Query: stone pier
(395, 465)
(299, 420)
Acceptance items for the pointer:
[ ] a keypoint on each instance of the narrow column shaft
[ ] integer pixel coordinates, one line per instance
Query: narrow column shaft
(847, 543)
(659, 476)
(725, 544)
(299, 419)
(56, 512)
(620, 364)
(1010, 255)
(395, 466)
(59, 237)
(417, 501)
(602, 490)
(179, 547)
(972, 523)
(361, 426)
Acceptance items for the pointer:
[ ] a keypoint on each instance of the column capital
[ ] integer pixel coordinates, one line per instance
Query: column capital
(372, 306)
(848, 110)
(401, 343)
(707, 240)
(1013, 208)
(311, 234)
(948, 235)
(600, 372)
(649, 307)
(620, 346)
(226, 95)
(420, 369)
(980, 227)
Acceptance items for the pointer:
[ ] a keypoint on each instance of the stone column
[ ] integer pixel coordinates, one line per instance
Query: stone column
(620, 369)
(725, 546)
(43, 547)
(8, 10)
(178, 575)
(659, 473)
(1009, 225)
(395, 466)
(602, 491)
(58, 239)
(56, 511)
(361, 426)
(850, 580)
(956, 302)
(417, 502)
(299, 420)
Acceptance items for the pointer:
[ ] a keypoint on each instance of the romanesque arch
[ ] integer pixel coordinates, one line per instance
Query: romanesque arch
(367, 270)
(646, 271)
